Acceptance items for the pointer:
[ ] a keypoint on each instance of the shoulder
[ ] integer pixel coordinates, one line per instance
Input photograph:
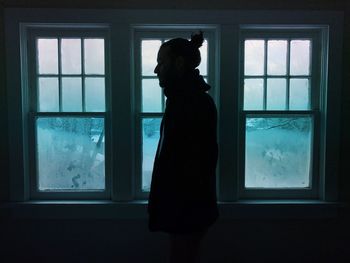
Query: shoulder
(204, 102)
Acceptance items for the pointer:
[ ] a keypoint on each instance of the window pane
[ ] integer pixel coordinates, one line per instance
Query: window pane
(253, 94)
(150, 138)
(71, 94)
(48, 94)
(278, 152)
(94, 52)
(151, 96)
(71, 56)
(277, 57)
(299, 94)
(276, 94)
(300, 57)
(254, 57)
(204, 58)
(70, 153)
(48, 56)
(149, 56)
(95, 94)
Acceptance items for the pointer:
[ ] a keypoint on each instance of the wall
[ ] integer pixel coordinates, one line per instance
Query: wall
(4, 179)
(345, 115)
(274, 240)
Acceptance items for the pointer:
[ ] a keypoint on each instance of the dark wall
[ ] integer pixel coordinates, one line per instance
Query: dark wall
(184, 4)
(345, 114)
(275, 240)
(4, 178)
(229, 241)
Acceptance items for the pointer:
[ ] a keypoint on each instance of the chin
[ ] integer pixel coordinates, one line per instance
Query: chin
(162, 84)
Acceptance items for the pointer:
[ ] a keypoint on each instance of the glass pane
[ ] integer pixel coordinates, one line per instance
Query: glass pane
(71, 56)
(278, 152)
(277, 57)
(48, 94)
(71, 94)
(70, 153)
(94, 52)
(254, 57)
(95, 94)
(276, 94)
(48, 56)
(253, 94)
(150, 138)
(149, 56)
(300, 57)
(299, 94)
(151, 96)
(203, 66)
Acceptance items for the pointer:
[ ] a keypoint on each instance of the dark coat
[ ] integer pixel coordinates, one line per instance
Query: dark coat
(183, 189)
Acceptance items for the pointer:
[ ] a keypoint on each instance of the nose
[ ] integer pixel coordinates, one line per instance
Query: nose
(156, 69)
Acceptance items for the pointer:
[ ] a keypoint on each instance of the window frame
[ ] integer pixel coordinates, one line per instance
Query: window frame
(162, 32)
(228, 23)
(317, 35)
(31, 33)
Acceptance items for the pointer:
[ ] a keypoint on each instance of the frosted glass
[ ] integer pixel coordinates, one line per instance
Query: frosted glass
(95, 94)
(71, 56)
(278, 152)
(47, 56)
(149, 54)
(48, 94)
(151, 96)
(277, 57)
(254, 55)
(70, 153)
(203, 66)
(150, 138)
(253, 94)
(276, 94)
(71, 94)
(299, 57)
(94, 52)
(299, 94)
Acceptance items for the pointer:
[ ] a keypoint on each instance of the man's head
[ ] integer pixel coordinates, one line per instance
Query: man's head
(177, 57)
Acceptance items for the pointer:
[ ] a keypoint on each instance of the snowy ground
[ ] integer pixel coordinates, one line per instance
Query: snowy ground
(69, 160)
(276, 156)
(277, 159)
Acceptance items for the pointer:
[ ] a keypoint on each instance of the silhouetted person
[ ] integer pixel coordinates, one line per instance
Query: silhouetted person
(182, 200)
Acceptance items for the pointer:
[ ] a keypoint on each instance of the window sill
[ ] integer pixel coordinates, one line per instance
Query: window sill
(247, 209)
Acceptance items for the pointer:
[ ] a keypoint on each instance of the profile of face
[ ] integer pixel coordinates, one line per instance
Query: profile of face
(168, 69)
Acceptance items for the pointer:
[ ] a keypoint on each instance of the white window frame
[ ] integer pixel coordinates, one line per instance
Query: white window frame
(315, 34)
(164, 32)
(29, 63)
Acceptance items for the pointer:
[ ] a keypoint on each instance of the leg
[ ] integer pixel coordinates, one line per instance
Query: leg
(185, 248)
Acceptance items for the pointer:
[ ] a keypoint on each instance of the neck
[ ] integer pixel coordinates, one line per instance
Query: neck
(190, 82)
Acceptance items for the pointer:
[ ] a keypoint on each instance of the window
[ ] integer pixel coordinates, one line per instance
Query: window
(85, 112)
(68, 83)
(150, 99)
(280, 107)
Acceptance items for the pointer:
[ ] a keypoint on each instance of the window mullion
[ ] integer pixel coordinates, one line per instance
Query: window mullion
(288, 75)
(82, 73)
(59, 75)
(265, 74)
